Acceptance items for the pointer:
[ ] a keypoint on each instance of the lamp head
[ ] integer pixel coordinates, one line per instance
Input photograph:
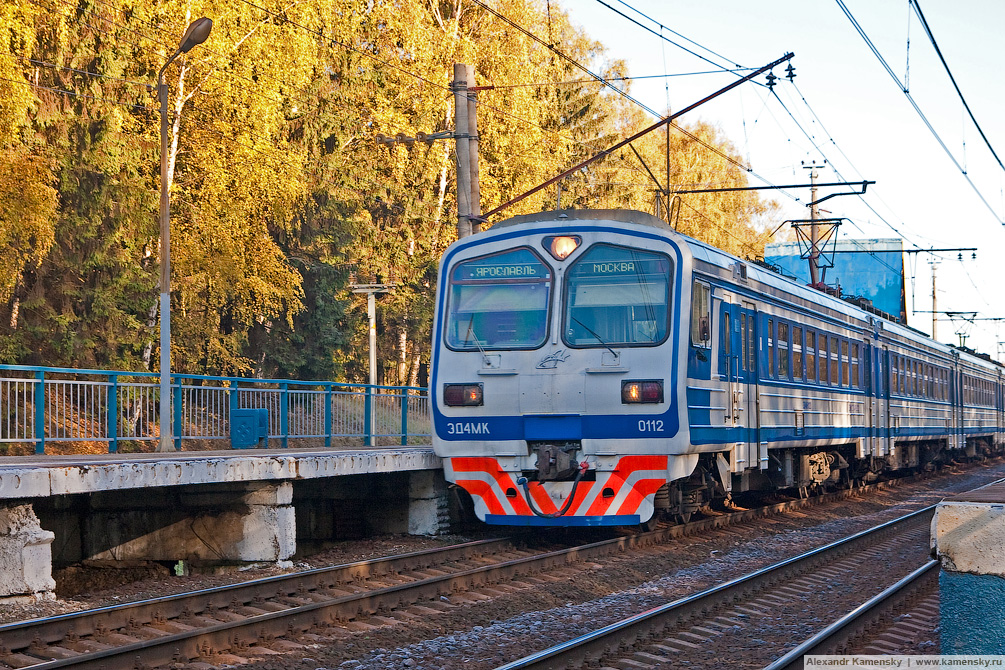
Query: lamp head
(196, 34)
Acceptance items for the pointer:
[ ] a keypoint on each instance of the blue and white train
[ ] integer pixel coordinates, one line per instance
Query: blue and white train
(594, 367)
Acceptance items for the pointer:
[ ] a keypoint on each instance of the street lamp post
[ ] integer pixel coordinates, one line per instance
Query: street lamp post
(196, 34)
(371, 290)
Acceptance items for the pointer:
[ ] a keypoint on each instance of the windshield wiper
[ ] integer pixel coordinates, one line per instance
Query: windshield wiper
(592, 332)
(471, 334)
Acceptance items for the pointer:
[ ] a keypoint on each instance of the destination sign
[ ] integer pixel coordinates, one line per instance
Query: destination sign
(516, 271)
(519, 264)
(634, 266)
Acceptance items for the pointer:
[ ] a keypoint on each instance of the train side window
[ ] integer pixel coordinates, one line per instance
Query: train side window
(797, 354)
(902, 382)
(783, 350)
(701, 315)
(727, 339)
(751, 350)
(855, 381)
(835, 376)
(893, 373)
(811, 356)
(743, 341)
(845, 368)
(822, 358)
(771, 348)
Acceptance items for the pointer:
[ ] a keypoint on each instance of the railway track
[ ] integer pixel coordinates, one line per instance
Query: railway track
(246, 620)
(892, 622)
(702, 630)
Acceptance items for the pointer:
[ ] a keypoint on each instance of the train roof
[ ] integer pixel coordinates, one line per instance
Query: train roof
(726, 261)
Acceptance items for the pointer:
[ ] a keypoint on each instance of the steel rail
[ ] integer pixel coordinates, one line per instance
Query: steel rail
(21, 634)
(834, 638)
(595, 644)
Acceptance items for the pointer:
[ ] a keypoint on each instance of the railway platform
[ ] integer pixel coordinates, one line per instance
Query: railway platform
(968, 538)
(205, 508)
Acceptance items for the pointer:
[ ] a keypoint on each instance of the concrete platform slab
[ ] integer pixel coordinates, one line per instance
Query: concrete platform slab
(42, 476)
(968, 531)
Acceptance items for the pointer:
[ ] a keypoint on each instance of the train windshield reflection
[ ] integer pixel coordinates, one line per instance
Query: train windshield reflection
(617, 296)
(499, 302)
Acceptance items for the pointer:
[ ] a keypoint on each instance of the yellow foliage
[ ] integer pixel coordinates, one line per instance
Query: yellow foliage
(27, 212)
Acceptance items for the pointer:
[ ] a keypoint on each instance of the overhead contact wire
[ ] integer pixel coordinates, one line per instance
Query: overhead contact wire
(917, 108)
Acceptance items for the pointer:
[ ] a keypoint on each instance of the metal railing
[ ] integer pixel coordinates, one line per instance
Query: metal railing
(41, 405)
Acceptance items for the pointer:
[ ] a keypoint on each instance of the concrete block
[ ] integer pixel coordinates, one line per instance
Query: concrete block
(257, 533)
(970, 537)
(427, 503)
(25, 554)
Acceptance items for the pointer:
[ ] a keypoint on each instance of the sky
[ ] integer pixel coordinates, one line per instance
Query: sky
(858, 120)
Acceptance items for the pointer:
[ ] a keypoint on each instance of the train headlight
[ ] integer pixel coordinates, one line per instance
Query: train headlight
(560, 247)
(462, 395)
(642, 391)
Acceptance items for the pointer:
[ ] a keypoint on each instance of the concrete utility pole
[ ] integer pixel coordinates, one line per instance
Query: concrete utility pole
(935, 309)
(462, 150)
(814, 233)
(465, 136)
(474, 204)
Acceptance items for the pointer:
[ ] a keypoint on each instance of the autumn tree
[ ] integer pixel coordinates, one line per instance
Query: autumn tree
(280, 196)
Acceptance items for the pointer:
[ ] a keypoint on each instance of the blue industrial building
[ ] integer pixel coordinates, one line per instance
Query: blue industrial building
(870, 269)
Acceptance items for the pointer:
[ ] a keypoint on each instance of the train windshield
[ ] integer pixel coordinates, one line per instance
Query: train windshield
(499, 302)
(617, 296)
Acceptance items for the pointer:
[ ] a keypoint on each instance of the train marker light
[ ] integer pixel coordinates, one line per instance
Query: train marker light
(560, 247)
(462, 395)
(642, 391)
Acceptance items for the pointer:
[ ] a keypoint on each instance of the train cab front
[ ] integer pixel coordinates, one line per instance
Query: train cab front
(555, 373)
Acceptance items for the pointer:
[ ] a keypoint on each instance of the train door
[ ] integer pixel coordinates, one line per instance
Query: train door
(748, 380)
(881, 402)
(999, 418)
(871, 390)
(739, 368)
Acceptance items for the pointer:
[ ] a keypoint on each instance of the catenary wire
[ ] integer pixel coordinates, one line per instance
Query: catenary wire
(663, 37)
(674, 32)
(938, 52)
(917, 108)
